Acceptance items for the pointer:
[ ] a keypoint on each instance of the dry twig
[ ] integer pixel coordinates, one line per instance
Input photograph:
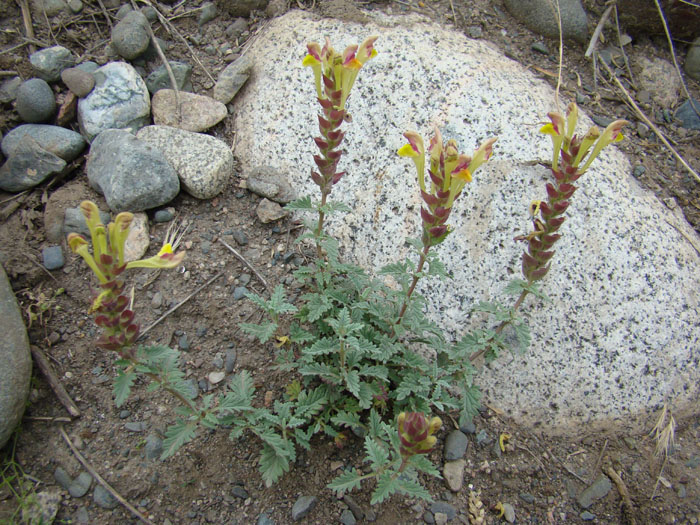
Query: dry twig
(244, 261)
(597, 463)
(627, 507)
(27, 21)
(101, 480)
(43, 363)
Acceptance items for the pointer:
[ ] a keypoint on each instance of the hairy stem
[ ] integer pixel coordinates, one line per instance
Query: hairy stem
(414, 282)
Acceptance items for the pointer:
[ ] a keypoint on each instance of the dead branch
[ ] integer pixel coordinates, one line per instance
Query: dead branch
(43, 363)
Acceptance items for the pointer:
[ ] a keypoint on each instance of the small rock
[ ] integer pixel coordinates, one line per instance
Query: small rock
(587, 516)
(154, 447)
(240, 237)
(230, 362)
(468, 427)
(236, 28)
(239, 292)
(8, 89)
(138, 239)
(197, 112)
(303, 506)
(204, 164)
(123, 11)
(687, 116)
(455, 445)
(88, 67)
(453, 472)
(537, 16)
(638, 171)
(244, 279)
(440, 518)
(103, 498)
(62, 478)
(48, 63)
(347, 518)
(52, 257)
(80, 485)
(28, 166)
(692, 60)
(119, 100)
(601, 121)
(508, 513)
(44, 508)
(264, 519)
(643, 130)
(232, 78)
(141, 179)
(183, 343)
(130, 36)
(159, 78)
(78, 81)
(682, 491)
(166, 215)
(496, 451)
(540, 48)
(428, 517)
(49, 7)
(35, 101)
(193, 388)
(599, 489)
(271, 184)
(268, 211)
(157, 300)
(475, 32)
(659, 77)
(64, 143)
(482, 438)
(123, 414)
(81, 516)
(239, 492)
(445, 508)
(216, 377)
(207, 13)
(353, 506)
(135, 426)
(74, 221)
(242, 8)
(276, 8)
(527, 497)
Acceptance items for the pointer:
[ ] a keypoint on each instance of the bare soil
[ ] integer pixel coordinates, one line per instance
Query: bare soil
(539, 476)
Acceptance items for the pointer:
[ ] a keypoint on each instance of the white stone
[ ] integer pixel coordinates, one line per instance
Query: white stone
(138, 239)
(620, 333)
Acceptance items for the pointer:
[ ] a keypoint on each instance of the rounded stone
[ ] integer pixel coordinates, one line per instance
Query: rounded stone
(62, 142)
(692, 60)
(52, 257)
(35, 101)
(78, 81)
(130, 36)
(48, 63)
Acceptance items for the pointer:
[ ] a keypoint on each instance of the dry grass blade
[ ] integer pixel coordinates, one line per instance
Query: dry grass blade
(664, 432)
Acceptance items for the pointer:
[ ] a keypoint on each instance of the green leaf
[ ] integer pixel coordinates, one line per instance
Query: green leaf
(321, 370)
(316, 306)
(241, 395)
(386, 486)
(334, 206)
(352, 381)
(310, 403)
(412, 488)
(422, 463)
(278, 302)
(262, 331)
(365, 395)
(517, 286)
(259, 301)
(376, 453)
(304, 203)
(299, 335)
(522, 333)
(324, 346)
(177, 435)
(375, 424)
(303, 437)
(272, 465)
(122, 387)
(347, 481)
(346, 419)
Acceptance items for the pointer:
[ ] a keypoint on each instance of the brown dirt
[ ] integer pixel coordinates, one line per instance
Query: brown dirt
(195, 485)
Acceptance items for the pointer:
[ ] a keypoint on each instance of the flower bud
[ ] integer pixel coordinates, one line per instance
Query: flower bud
(416, 433)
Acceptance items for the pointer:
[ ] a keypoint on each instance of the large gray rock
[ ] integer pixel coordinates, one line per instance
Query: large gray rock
(119, 100)
(16, 369)
(540, 16)
(29, 165)
(132, 175)
(621, 331)
(159, 79)
(62, 142)
(203, 163)
(48, 63)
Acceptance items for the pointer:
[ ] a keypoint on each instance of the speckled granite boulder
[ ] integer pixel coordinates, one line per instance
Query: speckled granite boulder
(621, 332)
(203, 163)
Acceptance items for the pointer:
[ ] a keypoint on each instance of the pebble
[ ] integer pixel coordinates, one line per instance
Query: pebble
(496, 451)
(142, 179)
(49, 62)
(197, 112)
(44, 508)
(468, 427)
(587, 516)
(80, 485)
(692, 60)
(193, 388)
(482, 438)
(643, 130)
(599, 489)
(52, 257)
(103, 498)
(232, 78)
(207, 13)
(453, 472)
(239, 292)
(455, 445)
(540, 48)
(157, 300)
(204, 164)
(81, 515)
(264, 519)
(235, 29)
(78, 81)
(135, 426)
(138, 240)
(62, 478)
(230, 363)
(159, 78)
(123, 414)
(119, 100)
(428, 517)
(508, 513)
(440, 518)
(74, 221)
(62, 142)
(268, 211)
(659, 78)
(445, 508)
(601, 121)
(271, 184)
(8, 89)
(353, 506)
(527, 497)
(303, 506)
(687, 116)
(29, 166)
(183, 343)
(347, 518)
(123, 11)
(240, 237)
(130, 36)
(150, 13)
(154, 447)
(244, 279)
(51, 7)
(88, 66)
(475, 32)
(537, 16)
(216, 377)
(638, 171)
(165, 215)
(35, 101)
(239, 492)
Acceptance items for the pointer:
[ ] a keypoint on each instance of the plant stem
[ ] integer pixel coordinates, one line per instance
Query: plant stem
(319, 227)
(416, 277)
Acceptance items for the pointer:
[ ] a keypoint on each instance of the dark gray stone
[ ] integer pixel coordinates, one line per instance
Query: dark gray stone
(135, 426)
(154, 447)
(159, 78)
(123, 11)
(74, 221)
(303, 506)
(53, 257)
(482, 438)
(601, 121)
(264, 519)
(236, 28)
(455, 445)
(354, 507)
(62, 142)
(8, 89)
(76, 6)
(347, 518)
(132, 175)
(239, 292)
(48, 63)
(687, 115)
(539, 16)
(540, 48)
(241, 8)
(88, 67)
(16, 368)
(230, 363)
(80, 485)
(30, 165)
(527, 497)
(638, 171)
(81, 515)
(103, 498)
(599, 489)
(207, 13)
(232, 78)
(239, 492)
(51, 7)
(445, 508)
(468, 427)
(150, 13)
(62, 478)
(35, 101)
(130, 36)
(240, 237)
(165, 215)
(78, 81)
(692, 60)
(119, 100)
(123, 414)
(183, 343)
(587, 516)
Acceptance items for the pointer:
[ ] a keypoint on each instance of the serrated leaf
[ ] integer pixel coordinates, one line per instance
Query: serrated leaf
(323, 346)
(262, 331)
(386, 486)
(122, 387)
(352, 381)
(347, 419)
(376, 453)
(272, 465)
(177, 435)
(522, 333)
(334, 206)
(278, 302)
(412, 488)
(311, 402)
(303, 437)
(347, 481)
(299, 335)
(259, 301)
(423, 464)
(304, 203)
(365, 396)
(375, 424)
(321, 370)
(316, 305)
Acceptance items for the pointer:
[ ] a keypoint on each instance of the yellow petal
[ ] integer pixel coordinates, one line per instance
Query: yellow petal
(407, 151)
